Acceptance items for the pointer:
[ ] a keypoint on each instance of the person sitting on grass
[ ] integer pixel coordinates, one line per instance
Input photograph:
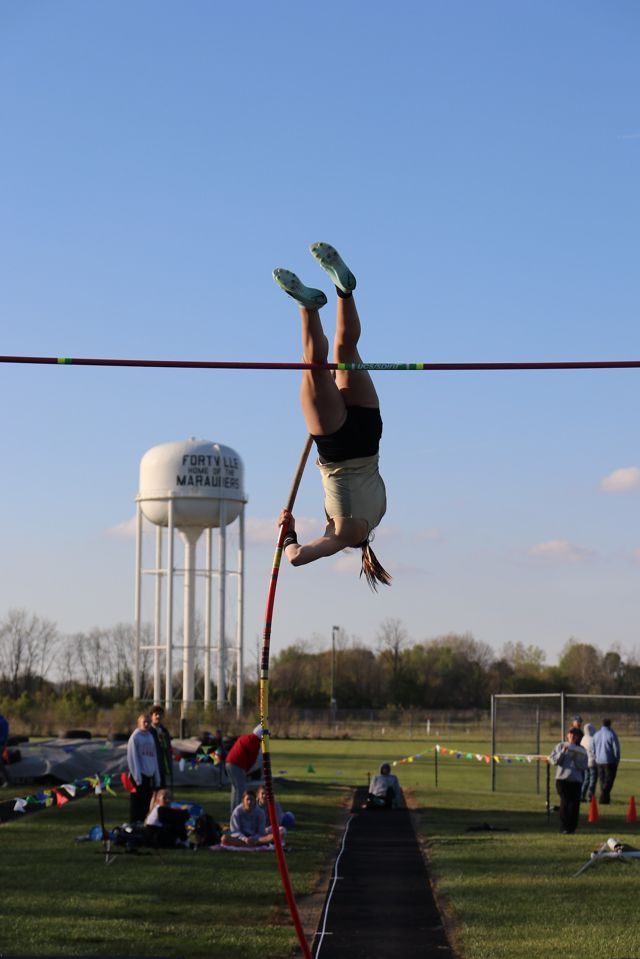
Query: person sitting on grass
(384, 790)
(248, 826)
(261, 802)
(285, 819)
(164, 826)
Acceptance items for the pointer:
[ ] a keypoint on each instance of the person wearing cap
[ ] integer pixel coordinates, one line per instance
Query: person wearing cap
(570, 760)
(576, 723)
(239, 761)
(607, 749)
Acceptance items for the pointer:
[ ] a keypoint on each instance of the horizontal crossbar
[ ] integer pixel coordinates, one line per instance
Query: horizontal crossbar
(244, 365)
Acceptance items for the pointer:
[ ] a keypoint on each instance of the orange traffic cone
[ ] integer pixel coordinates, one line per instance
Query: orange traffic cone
(631, 811)
(593, 810)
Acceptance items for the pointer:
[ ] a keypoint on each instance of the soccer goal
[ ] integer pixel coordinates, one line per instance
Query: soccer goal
(526, 726)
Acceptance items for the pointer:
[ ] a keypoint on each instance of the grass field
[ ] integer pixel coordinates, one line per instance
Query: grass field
(506, 894)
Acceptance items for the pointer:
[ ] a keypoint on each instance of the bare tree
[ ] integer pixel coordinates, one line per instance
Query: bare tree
(392, 639)
(27, 649)
(93, 654)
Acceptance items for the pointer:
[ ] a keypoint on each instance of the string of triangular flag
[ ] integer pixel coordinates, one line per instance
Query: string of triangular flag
(472, 756)
(61, 795)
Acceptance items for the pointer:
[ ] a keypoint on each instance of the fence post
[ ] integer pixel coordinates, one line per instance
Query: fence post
(548, 765)
(493, 742)
(538, 749)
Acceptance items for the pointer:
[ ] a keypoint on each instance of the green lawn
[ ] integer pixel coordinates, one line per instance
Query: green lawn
(58, 896)
(507, 894)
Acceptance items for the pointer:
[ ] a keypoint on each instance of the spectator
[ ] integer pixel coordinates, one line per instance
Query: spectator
(142, 759)
(571, 761)
(261, 799)
(4, 739)
(163, 746)
(576, 723)
(239, 761)
(384, 789)
(591, 775)
(607, 749)
(164, 826)
(248, 826)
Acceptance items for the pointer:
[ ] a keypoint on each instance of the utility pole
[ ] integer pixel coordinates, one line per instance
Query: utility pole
(334, 705)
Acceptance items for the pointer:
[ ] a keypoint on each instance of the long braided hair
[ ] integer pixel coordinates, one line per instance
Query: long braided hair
(372, 569)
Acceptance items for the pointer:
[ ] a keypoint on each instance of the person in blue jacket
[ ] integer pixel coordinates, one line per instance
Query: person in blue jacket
(607, 749)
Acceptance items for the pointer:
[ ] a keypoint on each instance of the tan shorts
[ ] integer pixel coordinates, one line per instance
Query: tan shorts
(354, 488)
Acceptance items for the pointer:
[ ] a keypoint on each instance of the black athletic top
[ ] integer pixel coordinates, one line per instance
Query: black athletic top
(358, 436)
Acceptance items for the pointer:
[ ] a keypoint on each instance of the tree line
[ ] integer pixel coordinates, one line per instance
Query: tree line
(452, 671)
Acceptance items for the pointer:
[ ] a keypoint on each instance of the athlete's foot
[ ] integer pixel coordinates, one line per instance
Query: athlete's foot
(331, 261)
(305, 296)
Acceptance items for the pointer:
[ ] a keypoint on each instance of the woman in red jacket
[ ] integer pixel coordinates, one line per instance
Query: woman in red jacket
(240, 759)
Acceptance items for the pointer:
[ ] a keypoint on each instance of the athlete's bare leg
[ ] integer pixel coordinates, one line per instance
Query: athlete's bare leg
(356, 387)
(322, 403)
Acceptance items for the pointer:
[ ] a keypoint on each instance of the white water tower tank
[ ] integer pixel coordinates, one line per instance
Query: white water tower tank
(197, 475)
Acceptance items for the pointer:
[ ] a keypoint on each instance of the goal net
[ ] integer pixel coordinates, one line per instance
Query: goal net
(526, 726)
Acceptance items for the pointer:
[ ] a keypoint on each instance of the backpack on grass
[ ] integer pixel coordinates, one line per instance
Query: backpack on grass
(207, 831)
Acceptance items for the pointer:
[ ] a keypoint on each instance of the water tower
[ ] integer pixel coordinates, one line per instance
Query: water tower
(192, 486)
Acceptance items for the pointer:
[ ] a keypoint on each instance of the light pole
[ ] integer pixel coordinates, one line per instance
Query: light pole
(334, 705)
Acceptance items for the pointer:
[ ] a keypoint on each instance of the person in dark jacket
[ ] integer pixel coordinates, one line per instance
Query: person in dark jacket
(162, 737)
(4, 738)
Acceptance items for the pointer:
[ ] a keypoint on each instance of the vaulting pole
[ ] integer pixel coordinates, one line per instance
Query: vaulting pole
(264, 712)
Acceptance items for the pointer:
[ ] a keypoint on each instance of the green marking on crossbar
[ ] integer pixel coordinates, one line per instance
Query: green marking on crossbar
(380, 366)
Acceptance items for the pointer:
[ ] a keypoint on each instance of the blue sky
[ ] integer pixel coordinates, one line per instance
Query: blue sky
(476, 164)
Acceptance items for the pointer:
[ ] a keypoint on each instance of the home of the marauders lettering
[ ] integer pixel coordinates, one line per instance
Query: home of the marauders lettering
(209, 470)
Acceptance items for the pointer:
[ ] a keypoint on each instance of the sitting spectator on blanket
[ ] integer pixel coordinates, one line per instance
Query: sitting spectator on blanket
(384, 789)
(164, 826)
(285, 819)
(248, 826)
(261, 801)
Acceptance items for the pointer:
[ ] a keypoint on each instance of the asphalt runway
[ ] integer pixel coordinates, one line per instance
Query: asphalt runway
(381, 906)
